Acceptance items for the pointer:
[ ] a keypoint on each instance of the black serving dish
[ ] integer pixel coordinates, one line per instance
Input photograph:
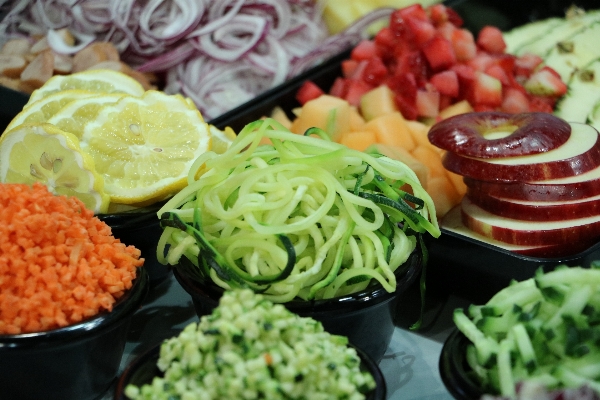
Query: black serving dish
(366, 317)
(143, 369)
(140, 228)
(77, 362)
(454, 370)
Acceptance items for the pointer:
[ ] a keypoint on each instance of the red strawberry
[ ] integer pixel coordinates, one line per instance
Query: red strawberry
(413, 62)
(427, 103)
(515, 101)
(526, 64)
(308, 91)
(541, 104)
(439, 13)
(364, 50)
(405, 85)
(355, 90)
(464, 45)
(481, 61)
(498, 72)
(406, 107)
(339, 88)
(439, 53)
(414, 11)
(385, 41)
(485, 90)
(349, 68)
(446, 82)
(375, 71)
(490, 39)
(446, 30)
(545, 82)
(421, 31)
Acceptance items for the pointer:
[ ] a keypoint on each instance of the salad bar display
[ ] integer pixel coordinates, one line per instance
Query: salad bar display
(304, 185)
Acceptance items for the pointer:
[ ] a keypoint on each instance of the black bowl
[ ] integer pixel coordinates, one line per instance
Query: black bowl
(140, 228)
(78, 362)
(365, 317)
(143, 369)
(454, 370)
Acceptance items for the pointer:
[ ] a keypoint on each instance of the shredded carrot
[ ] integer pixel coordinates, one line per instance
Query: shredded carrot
(59, 264)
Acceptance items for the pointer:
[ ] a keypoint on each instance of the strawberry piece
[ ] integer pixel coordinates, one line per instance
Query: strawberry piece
(385, 42)
(427, 103)
(439, 53)
(339, 88)
(404, 85)
(308, 91)
(421, 31)
(481, 61)
(349, 68)
(491, 40)
(355, 89)
(397, 23)
(406, 107)
(515, 101)
(541, 104)
(364, 50)
(463, 44)
(446, 82)
(485, 90)
(526, 64)
(545, 82)
(414, 11)
(499, 73)
(438, 13)
(413, 62)
(375, 71)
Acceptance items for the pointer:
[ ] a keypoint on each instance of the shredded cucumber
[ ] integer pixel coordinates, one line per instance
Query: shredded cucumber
(545, 329)
(301, 217)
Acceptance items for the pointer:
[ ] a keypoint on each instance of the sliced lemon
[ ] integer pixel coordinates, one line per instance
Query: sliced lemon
(73, 117)
(40, 152)
(97, 81)
(144, 146)
(44, 108)
(221, 140)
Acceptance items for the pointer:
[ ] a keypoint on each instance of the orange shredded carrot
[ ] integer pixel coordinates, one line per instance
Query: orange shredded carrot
(59, 264)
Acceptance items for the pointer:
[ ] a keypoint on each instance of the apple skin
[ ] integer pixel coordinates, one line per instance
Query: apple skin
(527, 233)
(452, 222)
(538, 211)
(464, 134)
(509, 170)
(552, 190)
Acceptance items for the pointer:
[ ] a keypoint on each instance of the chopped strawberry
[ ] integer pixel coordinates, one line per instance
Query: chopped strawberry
(427, 103)
(541, 104)
(545, 82)
(414, 11)
(349, 68)
(439, 53)
(499, 73)
(404, 85)
(490, 39)
(446, 30)
(514, 101)
(421, 31)
(308, 91)
(481, 61)
(526, 64)
(485, 90)
(483, 108)
(439, 14)
(397, 23)
(339, 88)
(385, 42)
(415, 63)
(355, 90)
(464, 44)
(446, 82)
(364, 50)
(375, 71)
(406, 107)
(445, 101)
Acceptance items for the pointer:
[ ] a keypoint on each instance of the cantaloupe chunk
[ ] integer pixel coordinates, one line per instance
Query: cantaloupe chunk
(357, 122)
(460, 107)
(401, 154)
(458, 183)
(377, 102)
(280, 116)
(327, 112)
(391, 130)
(357, 140)
(443, 194)
(431, 158)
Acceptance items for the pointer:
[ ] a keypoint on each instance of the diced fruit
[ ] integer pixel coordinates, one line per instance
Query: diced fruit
(308, 91)
(490, 39)
(463, 44)
(364, 50)
(376, 102)
(421, 30)
(462, 107)
(355, 89)
(486, 90)
(390, 129)
(545, 82)
(326, 112)
(375, 71)
(439, 53)
(446, 82)
(515, 101)
(358, 140)
(428, 103)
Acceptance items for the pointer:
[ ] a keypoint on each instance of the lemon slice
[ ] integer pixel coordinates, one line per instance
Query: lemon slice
(44, 108)
(221, 140)
(144, 146)
(77, 113)
(40, 152)
(97, 81)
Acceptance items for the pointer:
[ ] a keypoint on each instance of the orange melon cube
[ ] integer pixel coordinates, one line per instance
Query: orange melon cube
(460, 107)
(377, 102)
(391, 130)
(458, 183)
(357, 140)
(357, 122)
(280, 116)
(431, 158)
(326, 112)
(443, 194)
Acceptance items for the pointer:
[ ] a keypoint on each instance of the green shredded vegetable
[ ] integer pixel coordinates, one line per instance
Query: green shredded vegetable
(302, 217)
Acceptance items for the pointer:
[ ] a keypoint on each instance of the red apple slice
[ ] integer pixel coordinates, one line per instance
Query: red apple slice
(579, 154)
(528, 233)
(452, 222)
(536, 210)
(564, 189)
(499, 135)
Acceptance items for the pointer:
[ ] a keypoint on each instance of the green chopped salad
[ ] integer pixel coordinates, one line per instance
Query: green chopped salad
(250, 348)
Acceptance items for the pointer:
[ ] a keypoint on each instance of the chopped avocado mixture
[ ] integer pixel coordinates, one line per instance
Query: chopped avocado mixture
(250, 348)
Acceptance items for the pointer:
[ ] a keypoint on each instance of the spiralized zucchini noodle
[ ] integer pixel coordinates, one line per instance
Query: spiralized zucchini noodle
(301, 217)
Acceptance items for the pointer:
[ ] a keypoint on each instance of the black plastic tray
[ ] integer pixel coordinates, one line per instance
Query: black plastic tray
(457, 264)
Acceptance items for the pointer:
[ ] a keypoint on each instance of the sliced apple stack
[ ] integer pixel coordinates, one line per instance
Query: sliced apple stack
(533, 181)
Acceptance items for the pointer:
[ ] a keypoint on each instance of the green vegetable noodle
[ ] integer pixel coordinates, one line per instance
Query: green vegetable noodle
(250, 348)
(301, 217)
